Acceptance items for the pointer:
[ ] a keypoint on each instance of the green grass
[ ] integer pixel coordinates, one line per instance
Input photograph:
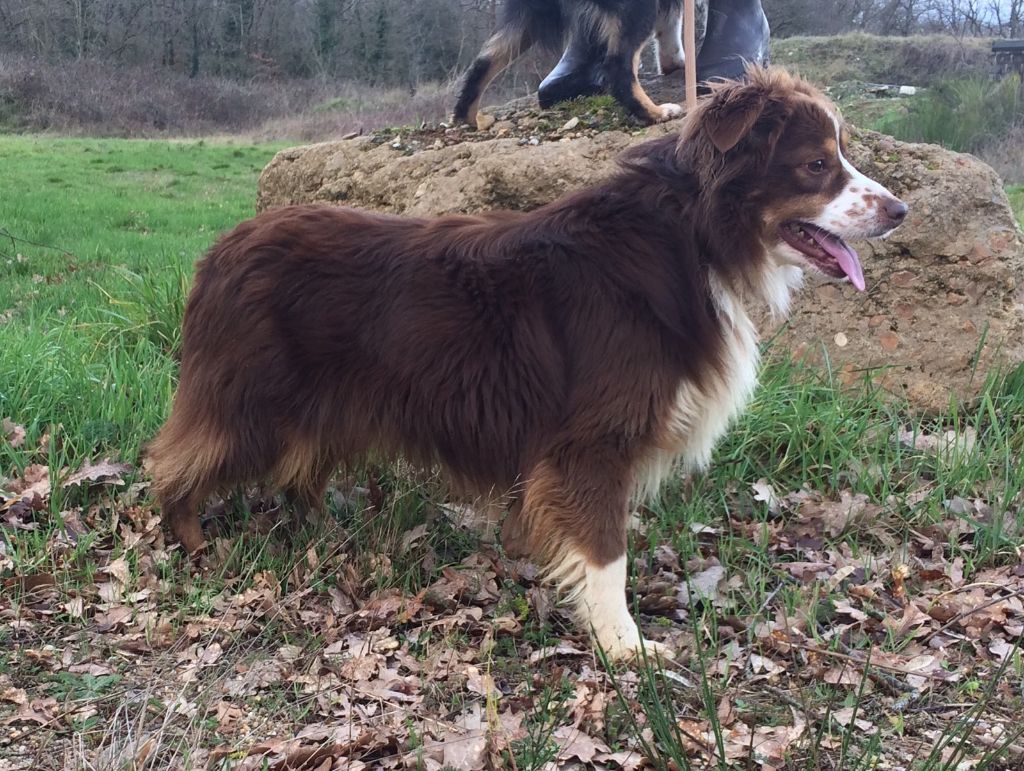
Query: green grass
(918, 60)
(97, 243)
(966, 115)
(1016, 193)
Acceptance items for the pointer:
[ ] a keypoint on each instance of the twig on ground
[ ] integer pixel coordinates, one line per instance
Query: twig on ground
(965, 614)
(15, 240)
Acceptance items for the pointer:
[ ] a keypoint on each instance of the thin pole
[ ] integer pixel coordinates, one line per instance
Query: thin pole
(690, 49)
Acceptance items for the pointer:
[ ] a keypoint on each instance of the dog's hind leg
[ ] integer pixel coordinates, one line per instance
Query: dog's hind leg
(504, 47)
(186, 465)
(183, 519)
(194, 454)
(524, 23)
(306, 492)
(575, 513)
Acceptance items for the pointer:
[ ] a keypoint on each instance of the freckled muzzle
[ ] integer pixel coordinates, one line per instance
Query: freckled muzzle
(826, 250)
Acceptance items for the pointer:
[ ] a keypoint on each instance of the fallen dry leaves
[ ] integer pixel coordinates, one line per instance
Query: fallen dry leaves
(321, 665)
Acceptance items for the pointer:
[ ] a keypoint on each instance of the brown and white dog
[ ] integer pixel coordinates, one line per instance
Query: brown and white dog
(573, 353)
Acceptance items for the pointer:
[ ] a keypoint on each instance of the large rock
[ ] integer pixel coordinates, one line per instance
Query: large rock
(944, 291)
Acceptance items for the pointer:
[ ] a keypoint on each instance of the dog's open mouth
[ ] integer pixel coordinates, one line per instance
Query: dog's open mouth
(826, 251)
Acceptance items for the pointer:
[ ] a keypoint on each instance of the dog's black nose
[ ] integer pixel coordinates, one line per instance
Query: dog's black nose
(895, 210)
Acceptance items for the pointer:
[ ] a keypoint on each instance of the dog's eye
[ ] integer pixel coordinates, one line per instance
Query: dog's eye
(816, 167)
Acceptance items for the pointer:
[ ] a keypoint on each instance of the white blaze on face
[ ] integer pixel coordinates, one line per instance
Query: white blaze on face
(856, 211)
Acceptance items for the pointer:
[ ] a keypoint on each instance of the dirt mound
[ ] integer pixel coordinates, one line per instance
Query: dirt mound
(944, 298)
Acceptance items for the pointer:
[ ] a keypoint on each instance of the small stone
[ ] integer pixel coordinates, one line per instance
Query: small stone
(908, 90)
(570, 124)
(841, 339)
(905, 311)
(890, 340)
(534, 141)
(484, 121)
(351, 135)
(904, 277)
(848, 374)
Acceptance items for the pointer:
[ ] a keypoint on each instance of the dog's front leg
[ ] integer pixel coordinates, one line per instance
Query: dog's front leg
(575, 513)
(621, 73)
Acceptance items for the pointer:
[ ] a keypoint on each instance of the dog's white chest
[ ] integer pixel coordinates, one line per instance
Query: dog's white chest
(700, 416)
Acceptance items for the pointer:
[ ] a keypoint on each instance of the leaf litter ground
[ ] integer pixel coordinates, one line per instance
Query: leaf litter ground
(391, 635)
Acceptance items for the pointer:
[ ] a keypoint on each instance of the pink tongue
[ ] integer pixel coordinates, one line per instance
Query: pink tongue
(846, 257)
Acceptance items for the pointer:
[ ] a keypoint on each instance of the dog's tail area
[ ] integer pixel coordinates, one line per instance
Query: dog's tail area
(524, 24)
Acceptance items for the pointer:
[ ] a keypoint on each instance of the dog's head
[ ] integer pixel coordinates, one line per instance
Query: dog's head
(770, 154)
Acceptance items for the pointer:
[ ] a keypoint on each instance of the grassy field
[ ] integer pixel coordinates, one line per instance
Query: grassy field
(918, 60)
(843, 586)
(1016, 193)
(97, 242)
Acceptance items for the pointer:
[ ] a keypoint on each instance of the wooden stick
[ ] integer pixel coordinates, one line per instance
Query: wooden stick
(690, 51)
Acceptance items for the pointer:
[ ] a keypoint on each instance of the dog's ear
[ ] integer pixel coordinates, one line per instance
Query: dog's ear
(732, 114)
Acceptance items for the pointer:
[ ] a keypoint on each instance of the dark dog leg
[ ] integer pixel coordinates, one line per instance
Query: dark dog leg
(621, 73)
(524, 24)
(502, 49)
(625, 43)
(182, 518)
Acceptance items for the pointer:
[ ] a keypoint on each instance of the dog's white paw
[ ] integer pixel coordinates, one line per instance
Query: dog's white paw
(655, 650)
(636, 650)
(671, 111)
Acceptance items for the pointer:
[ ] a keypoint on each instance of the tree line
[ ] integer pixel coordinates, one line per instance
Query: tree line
(976, 18)
(386, 42)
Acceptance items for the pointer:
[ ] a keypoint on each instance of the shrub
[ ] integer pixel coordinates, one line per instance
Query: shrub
(963, 115)
(98, 98)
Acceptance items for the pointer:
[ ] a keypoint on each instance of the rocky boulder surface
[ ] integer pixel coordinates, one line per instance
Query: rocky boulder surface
(944, 299)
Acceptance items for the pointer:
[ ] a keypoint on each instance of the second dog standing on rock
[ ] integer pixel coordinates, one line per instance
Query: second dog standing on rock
(601, 44)
(604, 43)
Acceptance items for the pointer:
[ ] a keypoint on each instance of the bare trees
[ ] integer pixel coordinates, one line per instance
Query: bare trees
(388, 42)
(1003, 18)
(391, 41)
